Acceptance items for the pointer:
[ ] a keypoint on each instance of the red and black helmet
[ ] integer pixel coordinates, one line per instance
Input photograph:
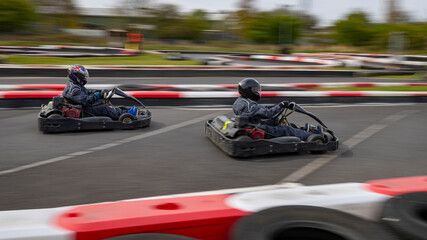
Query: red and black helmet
(250, 88)
(78, 74)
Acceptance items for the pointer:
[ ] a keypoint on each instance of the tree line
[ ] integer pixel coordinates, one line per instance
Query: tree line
(281, 26)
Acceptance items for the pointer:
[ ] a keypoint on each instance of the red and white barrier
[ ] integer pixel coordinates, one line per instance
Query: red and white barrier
(213, 87)
(222, 94)
(386, 60)
(206, 215)
(297, 59)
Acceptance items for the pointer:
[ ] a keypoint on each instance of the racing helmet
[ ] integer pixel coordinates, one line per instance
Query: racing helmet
(78, 74)
(250, 88)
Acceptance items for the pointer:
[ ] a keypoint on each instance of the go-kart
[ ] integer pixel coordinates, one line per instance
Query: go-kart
(238, 137)
(62, 115)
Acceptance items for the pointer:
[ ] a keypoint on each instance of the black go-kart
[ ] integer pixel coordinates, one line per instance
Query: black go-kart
(238, 137)
(62, 115)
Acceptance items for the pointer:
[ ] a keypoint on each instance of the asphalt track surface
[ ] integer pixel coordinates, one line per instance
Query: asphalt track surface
(194, 80)
(173, 156)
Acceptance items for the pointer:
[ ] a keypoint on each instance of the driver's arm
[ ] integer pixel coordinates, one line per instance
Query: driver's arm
(263, 112)
(83, 97)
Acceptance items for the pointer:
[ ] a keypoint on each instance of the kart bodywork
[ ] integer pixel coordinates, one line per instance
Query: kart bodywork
(59, 115)
(237, 137)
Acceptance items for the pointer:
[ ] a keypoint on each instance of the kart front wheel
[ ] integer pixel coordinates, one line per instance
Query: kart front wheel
(318, 139)
(127, 118)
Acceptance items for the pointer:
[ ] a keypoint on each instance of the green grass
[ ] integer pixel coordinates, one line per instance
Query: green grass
(385, 88)
(145, 59)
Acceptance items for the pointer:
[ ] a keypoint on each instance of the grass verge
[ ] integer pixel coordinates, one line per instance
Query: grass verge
(144, 59)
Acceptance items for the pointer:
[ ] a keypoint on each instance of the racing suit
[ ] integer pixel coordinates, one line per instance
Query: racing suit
(87, 98)
(263, 116)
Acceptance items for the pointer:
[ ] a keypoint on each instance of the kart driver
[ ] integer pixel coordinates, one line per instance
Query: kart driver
(78, 94)
(247, 105)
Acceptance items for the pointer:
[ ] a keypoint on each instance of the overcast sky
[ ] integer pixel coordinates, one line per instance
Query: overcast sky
(327, 11)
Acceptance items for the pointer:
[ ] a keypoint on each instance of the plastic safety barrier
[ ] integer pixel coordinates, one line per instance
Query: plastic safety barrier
(202, 215)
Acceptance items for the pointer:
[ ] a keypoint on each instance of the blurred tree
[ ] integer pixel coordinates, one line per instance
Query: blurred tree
(415, 37)
(354, 30)
(268, 27)
(15, 14)
(194, 25)
(244, 16)
(60, 13)
(394, 15)
(308, 22)
(136, 11)
(168, 21)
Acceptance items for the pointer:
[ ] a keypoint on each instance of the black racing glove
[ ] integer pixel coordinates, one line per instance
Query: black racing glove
(104, 93)
(288, 105)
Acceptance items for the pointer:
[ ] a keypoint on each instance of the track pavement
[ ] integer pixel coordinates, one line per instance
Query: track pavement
(173, 156)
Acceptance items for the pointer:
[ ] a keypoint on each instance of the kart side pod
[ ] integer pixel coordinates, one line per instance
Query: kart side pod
(231, 137)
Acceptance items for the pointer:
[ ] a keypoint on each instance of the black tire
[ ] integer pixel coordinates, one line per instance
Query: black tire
(243, 138)
(54, 116)
(127, 118)
(306, 223)
(316, 138)
(150, 236)
(319, 140)
(407, 215)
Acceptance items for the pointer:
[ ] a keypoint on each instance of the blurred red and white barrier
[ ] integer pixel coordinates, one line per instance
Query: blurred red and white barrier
(205, 215)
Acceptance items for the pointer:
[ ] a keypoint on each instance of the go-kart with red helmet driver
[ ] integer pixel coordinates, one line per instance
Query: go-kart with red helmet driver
(82, 109)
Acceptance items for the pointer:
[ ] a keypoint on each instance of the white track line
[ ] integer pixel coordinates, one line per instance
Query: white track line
(350, 143)
(109, 145)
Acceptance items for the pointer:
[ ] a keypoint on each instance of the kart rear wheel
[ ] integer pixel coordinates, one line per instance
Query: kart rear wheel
(127, 118)
(243, 138)
(54, 115)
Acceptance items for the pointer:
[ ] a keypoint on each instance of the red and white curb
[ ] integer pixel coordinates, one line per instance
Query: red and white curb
(213, 87)
(356, 60)
(296, 59)
(203, 215)
(222, 94)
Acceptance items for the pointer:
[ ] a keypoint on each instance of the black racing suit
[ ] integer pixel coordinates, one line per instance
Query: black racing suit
(263, 116)
(87, 98)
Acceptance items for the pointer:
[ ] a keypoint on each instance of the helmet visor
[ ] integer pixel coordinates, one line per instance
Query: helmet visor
(256, 89)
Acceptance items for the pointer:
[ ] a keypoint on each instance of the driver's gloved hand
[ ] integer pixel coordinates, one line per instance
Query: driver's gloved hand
(98, 95)
(284, 104)
(104, 93)
(291, 105)
(288, 105)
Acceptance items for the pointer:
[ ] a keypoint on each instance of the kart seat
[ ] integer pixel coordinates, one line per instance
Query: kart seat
(242, 121)
(70, 103)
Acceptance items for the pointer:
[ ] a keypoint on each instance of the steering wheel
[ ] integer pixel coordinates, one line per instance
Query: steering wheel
(282, 115)
(279, 113)
(110, 94)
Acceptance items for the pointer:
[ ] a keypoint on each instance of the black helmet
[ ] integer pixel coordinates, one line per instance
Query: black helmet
(250, 88)
(78, 74)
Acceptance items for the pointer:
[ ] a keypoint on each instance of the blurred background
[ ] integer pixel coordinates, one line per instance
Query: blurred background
(380, 26)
